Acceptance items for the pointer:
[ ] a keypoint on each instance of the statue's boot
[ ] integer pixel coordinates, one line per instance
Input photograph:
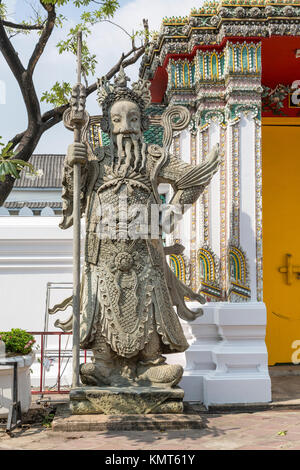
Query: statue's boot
(105, 370)
(95, 374)
(161, 375)
(99, 372)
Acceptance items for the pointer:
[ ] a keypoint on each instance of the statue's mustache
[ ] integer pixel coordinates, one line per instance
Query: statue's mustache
(132, 134)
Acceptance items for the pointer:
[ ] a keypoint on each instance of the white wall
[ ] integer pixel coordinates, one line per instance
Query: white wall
(33, 252)
(35, 194)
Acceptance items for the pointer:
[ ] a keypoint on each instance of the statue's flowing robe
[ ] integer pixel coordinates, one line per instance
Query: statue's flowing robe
(128, 289)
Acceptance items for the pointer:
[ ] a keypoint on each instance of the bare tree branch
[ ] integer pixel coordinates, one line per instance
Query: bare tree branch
(52, 112)
(115, 24)
(12, 35)
(41, 44)
(24, 27)
(17, 139)
(10, 54)
(137, 53)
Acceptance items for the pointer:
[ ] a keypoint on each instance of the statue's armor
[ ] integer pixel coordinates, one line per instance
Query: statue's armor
(126, 294)
(128, 291)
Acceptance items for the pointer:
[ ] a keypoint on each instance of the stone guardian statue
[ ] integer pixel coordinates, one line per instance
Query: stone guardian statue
(130, 298)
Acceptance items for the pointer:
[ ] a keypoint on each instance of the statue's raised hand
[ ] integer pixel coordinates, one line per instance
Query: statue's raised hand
(77, 153)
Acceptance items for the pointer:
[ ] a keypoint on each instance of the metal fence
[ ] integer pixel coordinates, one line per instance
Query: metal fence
(58, 351)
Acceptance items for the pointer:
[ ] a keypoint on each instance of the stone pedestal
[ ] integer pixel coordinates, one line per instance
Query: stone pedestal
(126, 400)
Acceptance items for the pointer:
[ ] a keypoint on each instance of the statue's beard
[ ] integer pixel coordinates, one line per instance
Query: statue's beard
(129, 153)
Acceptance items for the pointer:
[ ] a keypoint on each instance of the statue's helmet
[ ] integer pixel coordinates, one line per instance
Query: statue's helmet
(109, 94)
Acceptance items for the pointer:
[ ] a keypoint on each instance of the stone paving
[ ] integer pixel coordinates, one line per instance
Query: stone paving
(277, 428)
(272, 429)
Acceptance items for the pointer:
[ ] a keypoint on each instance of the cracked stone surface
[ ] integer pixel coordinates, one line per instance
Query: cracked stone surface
(126, 400)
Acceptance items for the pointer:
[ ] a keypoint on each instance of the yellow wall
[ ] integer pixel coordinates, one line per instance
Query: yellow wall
(281, 235)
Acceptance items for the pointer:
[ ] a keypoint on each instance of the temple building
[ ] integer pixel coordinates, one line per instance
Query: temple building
(236, 65)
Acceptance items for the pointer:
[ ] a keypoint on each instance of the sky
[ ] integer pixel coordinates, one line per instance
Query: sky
(106, 41)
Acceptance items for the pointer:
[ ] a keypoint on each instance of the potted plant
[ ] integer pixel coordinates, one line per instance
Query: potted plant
(18, 347)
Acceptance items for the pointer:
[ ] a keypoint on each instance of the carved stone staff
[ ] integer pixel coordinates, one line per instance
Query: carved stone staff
(74, 119)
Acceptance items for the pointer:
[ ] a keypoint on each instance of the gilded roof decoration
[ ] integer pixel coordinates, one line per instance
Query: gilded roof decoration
(217, 20)
(175, 20)
(208, 8)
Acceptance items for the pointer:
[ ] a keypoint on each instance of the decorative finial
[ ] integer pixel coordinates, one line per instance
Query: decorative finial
(121, 79)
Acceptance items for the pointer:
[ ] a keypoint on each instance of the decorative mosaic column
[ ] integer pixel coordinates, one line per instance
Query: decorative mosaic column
(258, 192)
(223, 211)
(204, 146)
(193, 235)
(227, 360)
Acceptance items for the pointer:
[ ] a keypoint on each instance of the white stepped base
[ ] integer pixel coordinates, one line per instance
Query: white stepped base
(236, 390)
(227, 361)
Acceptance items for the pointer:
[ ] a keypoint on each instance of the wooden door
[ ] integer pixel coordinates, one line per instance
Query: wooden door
(281, 237)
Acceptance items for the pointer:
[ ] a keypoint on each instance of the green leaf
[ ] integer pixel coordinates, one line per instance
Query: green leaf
(13, 170)
(58, 95)
(6, 168)
(2, 170)
(6, 152)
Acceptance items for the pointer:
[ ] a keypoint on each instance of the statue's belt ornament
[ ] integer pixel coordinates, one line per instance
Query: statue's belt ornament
(124, 261)
(131, 183)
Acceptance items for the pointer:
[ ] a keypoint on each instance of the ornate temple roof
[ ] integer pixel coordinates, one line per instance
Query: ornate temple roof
(215, 23)
(213, 7)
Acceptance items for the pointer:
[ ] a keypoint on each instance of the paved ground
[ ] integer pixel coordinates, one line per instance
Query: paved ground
(275, 428)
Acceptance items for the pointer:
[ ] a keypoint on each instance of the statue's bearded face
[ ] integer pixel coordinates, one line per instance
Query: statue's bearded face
(126, 133)
(125, 118)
